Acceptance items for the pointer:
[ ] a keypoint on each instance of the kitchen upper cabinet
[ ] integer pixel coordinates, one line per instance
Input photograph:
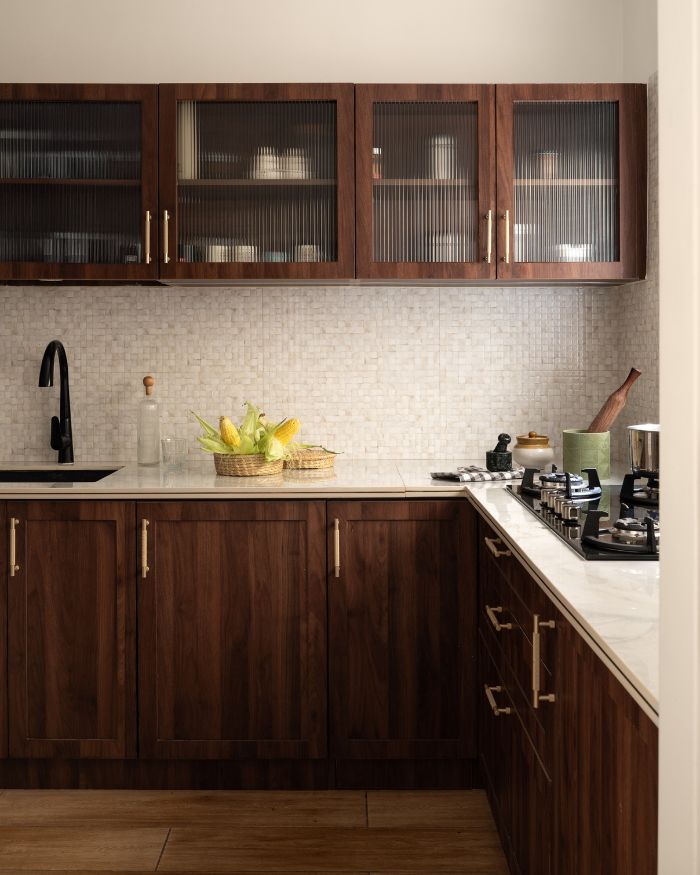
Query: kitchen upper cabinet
(71, 629)
(232, 630)
(78, 182)
(402, 629)
(571, 182)
(425, 159)
(256, 181)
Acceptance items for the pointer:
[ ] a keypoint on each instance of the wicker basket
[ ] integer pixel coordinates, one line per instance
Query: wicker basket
(307, 459)
(245, 466)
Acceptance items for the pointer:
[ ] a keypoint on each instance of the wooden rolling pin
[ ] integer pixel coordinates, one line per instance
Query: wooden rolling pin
(609, 412)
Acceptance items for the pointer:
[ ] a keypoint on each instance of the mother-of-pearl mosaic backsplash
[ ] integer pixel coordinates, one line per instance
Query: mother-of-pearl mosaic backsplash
(372, 372)
(375, 372)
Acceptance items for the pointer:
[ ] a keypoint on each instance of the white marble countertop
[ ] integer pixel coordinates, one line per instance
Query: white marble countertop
(615, 605)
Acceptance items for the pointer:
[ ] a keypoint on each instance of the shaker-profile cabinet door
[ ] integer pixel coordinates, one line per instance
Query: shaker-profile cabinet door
(571, 182)
(402, 629)
(71, 629)
(425, 176)
(232, 630)
(78, 182)
(257, 181)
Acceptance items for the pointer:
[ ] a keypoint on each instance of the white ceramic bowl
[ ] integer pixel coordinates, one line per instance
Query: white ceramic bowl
(533, 457)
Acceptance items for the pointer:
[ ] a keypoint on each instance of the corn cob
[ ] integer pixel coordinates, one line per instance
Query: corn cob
(287, 430)
(229, 432)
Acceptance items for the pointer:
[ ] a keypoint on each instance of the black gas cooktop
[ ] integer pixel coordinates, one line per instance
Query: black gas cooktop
(597, 522)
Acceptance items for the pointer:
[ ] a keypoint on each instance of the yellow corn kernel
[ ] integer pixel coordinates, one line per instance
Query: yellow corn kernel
(229, 432)
(287, 430)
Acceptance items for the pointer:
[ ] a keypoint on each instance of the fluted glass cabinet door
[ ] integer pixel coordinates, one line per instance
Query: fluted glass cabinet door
(425, 162)
(571, 181)
(256, 181)
(78, 182)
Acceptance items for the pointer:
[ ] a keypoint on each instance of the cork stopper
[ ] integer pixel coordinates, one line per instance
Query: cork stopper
(149, 383)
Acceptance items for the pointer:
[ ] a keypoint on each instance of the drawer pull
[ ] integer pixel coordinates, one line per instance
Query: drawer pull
(14, 567)
(492, 700)
(493, 544)
(537, 696)
(144, 549)
(491, 614)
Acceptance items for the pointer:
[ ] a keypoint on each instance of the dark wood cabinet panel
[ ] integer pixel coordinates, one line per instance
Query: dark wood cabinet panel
(232, 625)
(71, 627)
(572, 181)
(257, 181)
(607, 775)
(78, 178)
(425, 180)
(4, 552)
(402, 630)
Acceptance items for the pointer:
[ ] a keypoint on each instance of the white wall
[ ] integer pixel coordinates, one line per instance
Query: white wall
(639, 39)
(679, 170)
(311, 41)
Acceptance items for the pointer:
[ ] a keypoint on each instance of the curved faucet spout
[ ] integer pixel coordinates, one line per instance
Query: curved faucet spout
(61, 434)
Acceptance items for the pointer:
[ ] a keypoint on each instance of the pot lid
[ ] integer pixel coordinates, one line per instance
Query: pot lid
(532, 439)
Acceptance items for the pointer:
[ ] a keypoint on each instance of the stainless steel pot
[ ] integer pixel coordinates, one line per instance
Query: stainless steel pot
(644, 447)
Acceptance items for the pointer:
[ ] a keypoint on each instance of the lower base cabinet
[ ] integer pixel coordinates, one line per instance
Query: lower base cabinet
(573, 781)
(232, 630)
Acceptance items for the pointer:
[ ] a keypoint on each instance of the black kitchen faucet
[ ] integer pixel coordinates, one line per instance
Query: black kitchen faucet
(61, 434)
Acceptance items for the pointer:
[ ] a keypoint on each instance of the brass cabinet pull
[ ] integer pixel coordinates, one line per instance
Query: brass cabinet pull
(538, 697)
(147, 237)
(489, 234)
(492, 700)
(14, 567)
(491, 614)
(336, 547)
(492, 544)
(506, 219)
(144, 548)
(166, 228)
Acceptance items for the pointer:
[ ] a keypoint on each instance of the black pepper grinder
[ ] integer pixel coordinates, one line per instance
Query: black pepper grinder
(500, 458)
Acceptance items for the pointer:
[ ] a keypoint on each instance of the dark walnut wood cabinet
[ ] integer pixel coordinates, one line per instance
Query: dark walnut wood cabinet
(71, 629)
(78, 182)
(232, 630)
(402, 642)
(293, 182)
(573, 780)
(256, 182)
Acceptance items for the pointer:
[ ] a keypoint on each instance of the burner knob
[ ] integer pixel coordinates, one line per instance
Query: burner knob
(570, 511)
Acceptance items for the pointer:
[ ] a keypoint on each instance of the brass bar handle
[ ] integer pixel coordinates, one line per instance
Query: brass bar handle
(491, 614)
(489, 235)
(147, 237)
(492, 544)
(336, 547)
(14, 567)
(506, 219)
(492, 700)
(166, 231)
(144, 548)
(537, 696)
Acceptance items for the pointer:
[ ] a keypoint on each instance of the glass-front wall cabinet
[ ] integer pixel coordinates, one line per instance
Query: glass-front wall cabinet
(425, 183)
(256, 181)
(77, 182)
(571, 181)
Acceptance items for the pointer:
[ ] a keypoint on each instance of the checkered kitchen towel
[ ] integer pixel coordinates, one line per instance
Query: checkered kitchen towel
(473, 473)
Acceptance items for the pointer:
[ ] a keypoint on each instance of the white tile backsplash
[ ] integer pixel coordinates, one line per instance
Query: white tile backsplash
(375, 372)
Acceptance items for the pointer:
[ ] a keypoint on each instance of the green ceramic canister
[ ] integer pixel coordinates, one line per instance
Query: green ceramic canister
(583, 449)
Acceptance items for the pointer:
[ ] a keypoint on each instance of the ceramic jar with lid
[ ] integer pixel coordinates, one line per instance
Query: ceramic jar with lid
(532, 450)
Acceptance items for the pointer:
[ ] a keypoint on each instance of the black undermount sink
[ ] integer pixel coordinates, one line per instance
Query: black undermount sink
(54, 475)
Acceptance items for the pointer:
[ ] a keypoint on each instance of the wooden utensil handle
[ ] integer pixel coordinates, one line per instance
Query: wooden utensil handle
(609, 412)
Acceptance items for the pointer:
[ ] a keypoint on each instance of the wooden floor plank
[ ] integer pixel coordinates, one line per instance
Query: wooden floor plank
(443, 809)
(85, 849)
(182, 808)
(332, 850)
